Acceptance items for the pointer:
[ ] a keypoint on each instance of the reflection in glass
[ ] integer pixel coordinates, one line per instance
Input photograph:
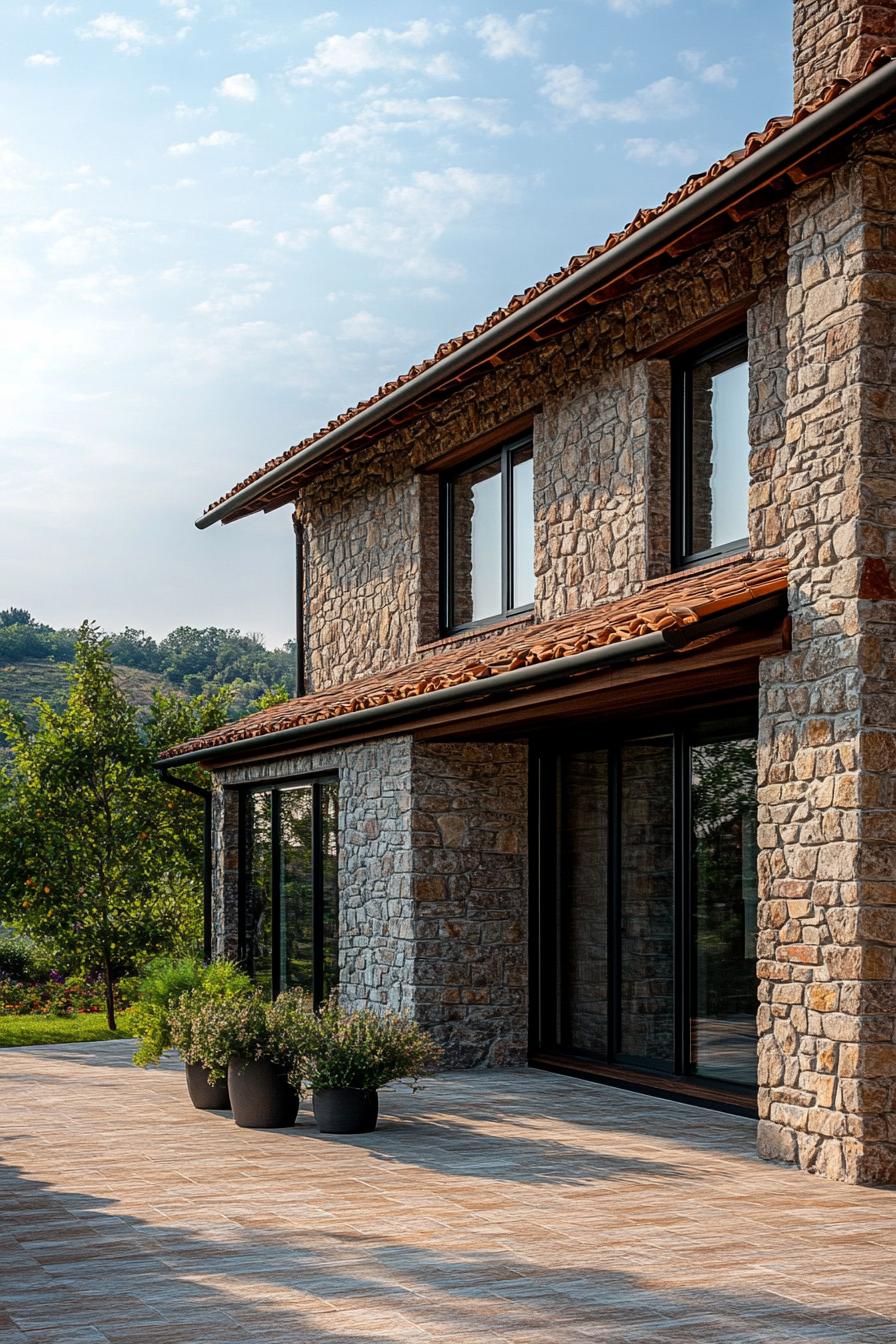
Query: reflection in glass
(259, 928)
(646, 970)
(584, 788)
(720, 446)
(329, 818)
(523, 506)
(476, 544)
(296, 888)
(723, 809)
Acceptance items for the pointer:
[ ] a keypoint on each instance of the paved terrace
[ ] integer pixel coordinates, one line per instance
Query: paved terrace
(491, 1206)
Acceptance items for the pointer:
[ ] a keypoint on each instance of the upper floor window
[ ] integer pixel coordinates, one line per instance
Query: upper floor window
(488, 537)
(711, 420)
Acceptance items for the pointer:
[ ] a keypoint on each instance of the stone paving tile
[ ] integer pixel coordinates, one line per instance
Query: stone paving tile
(516, 1206)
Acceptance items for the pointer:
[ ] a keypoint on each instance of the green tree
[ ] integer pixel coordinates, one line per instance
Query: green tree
(98, 856)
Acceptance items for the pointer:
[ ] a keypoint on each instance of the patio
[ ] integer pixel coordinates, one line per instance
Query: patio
(516, 1205)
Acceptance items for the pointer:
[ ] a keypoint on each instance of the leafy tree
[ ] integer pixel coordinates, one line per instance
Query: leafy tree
(277, 695)
(16, 616)
(97, 855)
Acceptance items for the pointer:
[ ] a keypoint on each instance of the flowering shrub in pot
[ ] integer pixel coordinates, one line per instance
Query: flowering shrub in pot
(345, 1057)
(251, 1043)
(164, 981)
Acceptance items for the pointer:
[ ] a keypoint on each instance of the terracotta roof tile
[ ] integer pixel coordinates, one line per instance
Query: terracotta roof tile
(754, 141)
(676, 602)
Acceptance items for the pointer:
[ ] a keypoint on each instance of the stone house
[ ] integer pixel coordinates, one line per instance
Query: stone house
(593, 760)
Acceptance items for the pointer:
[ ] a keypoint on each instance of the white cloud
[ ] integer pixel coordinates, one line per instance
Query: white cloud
(16, 276)
(503, 39)
(182, 11)
(385, 119)
(365, 328)
(128, 35)
(717, 73)
(241, 88)
(243, 226)
(322, 20)
(410, 219)
(387, 49)
(632, 8)
(54, 11)
(214, 140)
(569, 89)
(225, 302)
(43, 58)
(661, 153)
(294, 240)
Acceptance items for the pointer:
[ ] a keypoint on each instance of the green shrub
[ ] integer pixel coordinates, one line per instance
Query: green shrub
(163, 983)
(23, 959)
(361, 1049)
(211, 1031)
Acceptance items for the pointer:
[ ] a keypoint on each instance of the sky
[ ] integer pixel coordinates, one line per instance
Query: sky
(223, 222)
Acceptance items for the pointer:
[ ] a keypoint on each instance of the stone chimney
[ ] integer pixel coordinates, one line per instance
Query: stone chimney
(834, 38)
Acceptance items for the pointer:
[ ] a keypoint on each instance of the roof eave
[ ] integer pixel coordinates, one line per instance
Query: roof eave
(844, 113)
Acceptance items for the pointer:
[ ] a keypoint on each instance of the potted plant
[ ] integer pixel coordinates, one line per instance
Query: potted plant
(345, 1057)
(241, 1039)
(164, 981)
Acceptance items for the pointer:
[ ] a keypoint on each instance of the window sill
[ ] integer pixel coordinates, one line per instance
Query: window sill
(473, 632)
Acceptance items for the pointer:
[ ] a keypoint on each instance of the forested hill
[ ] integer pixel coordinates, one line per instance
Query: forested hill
(190, 660)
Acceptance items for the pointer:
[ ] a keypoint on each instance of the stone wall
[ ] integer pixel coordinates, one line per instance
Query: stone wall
(601, 463)
(470, 893)
(833, 38)
(827, 833)
(433, 890)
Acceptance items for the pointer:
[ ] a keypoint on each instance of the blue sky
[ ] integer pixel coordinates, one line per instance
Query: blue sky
(225, 222)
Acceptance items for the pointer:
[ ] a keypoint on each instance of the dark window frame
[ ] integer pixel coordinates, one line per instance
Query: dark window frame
(546, 915)
(244, 949)
(503, 454)
(682, 367)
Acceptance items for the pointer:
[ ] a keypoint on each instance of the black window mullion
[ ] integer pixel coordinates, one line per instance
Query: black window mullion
(276, 897)
(317, 896)
(682, 897)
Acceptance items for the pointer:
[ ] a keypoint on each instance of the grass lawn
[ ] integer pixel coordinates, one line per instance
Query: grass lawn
(36, 1029)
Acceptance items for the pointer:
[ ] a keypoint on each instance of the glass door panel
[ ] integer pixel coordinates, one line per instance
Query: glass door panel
(583, 801)
(296, 888)
(259, 913)
(724, 895)
(647, 904)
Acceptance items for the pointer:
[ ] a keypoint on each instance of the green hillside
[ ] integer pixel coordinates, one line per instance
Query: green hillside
(21, 682)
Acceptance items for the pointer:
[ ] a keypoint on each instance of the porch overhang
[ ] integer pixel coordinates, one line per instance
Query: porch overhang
(688, 635)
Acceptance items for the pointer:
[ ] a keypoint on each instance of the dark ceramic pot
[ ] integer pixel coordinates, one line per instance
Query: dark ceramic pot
(260, 1095)
(204, 1095)
(346, 1110)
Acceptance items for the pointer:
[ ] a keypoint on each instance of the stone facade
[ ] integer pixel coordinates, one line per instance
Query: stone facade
(601, 461)
(827, 803)
(834, 38)
(432, 885)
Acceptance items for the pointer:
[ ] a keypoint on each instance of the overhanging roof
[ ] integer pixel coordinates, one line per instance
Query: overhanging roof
(789, 150)
(666, 615)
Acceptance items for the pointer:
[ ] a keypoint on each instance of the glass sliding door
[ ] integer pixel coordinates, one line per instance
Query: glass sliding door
(289, 887)
(644, 907)
(647, 904)
(723, 910)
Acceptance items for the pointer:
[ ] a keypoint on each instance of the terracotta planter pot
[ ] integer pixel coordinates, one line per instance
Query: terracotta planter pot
(346, 1110)
(260, 1095)
(204, 1095)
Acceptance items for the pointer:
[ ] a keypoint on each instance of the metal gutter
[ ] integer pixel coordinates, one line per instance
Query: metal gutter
(848, 108)
(188, 786)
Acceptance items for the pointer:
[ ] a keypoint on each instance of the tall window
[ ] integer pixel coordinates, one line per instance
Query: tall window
(288, 886)
(488, 537)
(711, 420)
